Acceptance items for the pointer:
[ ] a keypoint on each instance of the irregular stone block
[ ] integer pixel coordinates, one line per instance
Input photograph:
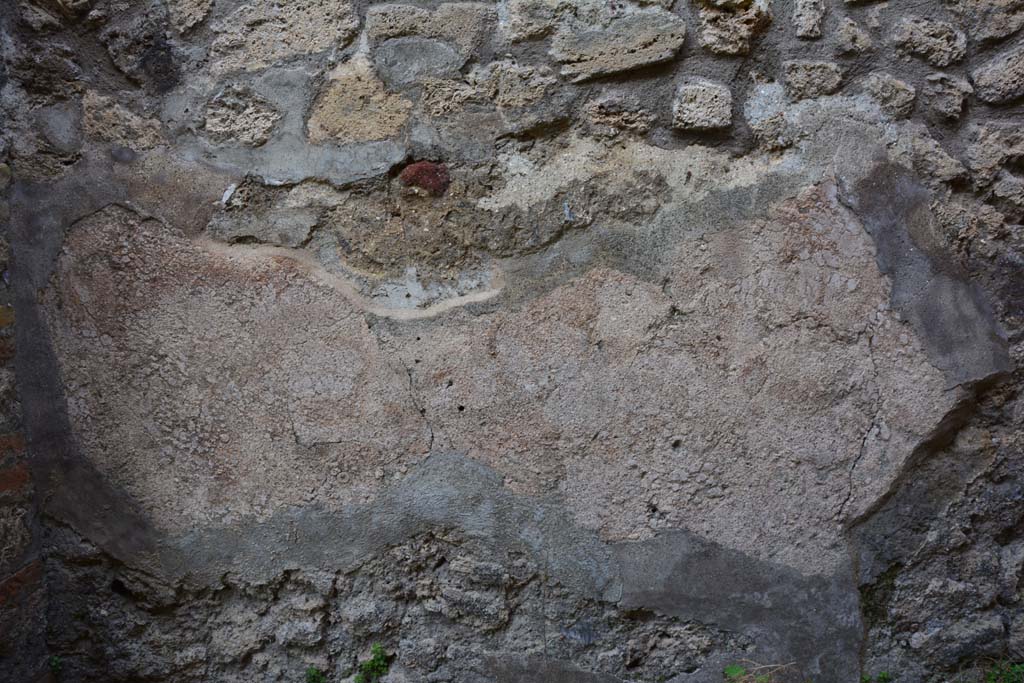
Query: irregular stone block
(729, 27)
(627, 43)
(1001, 79)
(402, 61)
(609, 116)
(500, 96)
(256, 35)
(807, 18)
(511, 85)
(37, 18)
(937, 42)
(851, 38)
(946, 94)
(805, 78)
(240, 115)
(895, 97)
(991, 147)
(990, 20)
(981, 635)
(1008, 190)
(533, 19)
(186, 14)
(104, 119)
(354, 106)
(465, 24)
(702, 105)
(60, 125)
(931, 160)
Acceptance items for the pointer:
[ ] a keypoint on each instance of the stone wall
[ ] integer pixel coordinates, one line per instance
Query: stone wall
(530, 340)
(22, 594)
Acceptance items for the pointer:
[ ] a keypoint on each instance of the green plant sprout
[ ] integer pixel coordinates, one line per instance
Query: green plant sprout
(374, 668)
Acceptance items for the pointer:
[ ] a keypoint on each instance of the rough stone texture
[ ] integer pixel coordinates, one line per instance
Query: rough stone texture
(258, 34)
(239, 115)
(1001, 79)
(702, 105)
(851, 38)
(991, 147)
(937, 42)
(186, 14)
(730, 27)
(946, 94)
(806, 78)
(104, 119)
(990, 20)
(807, 18)
(626, 43)
(465, 24)
(532, 19)
(610, 116)
(355, 106)
(894, 96)
(525, 339)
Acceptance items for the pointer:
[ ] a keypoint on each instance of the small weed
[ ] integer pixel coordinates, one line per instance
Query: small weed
(56, 665)
(374, 668)
(734, 672)
(884, 677)
(315, 675)
(753, 673)
(1004, 672)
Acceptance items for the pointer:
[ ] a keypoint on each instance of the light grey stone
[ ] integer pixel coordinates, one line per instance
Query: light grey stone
(402, 61)
(1001, 79)
(627, 43)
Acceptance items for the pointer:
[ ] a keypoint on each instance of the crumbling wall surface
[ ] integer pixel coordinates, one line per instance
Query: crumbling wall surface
(531, 340)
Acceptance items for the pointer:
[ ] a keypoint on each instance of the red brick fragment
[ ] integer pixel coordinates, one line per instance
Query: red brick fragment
(426, 175)
(12, 443)
(19, 582)
(13, 478)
